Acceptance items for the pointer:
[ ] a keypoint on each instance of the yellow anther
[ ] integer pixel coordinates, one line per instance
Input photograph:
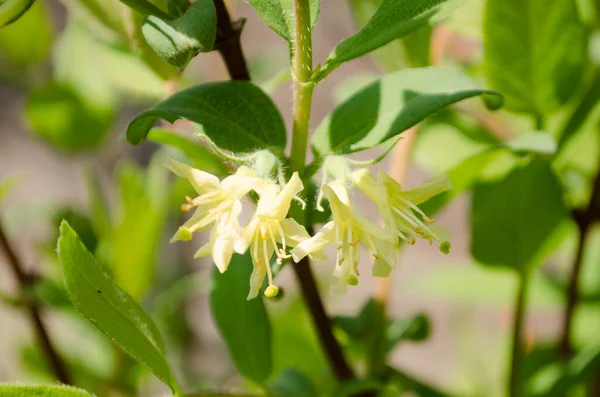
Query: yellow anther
(185, 207)
(341, 260)
(353, 243)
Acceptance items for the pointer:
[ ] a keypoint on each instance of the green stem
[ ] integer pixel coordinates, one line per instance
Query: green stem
(539, 122)
(515, 381)
(303, 85)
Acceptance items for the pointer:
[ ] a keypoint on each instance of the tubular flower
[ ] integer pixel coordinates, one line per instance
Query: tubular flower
(346, 230)
(218, 203)
(268, 227)
(407, 219)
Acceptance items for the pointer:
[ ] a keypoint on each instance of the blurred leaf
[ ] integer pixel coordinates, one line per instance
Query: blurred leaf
(393, 104)
(178, 41)
(200, 157)
(135, 240)
(393, 19)
(411, 50)
(556, 380)
(16, 42)
(292, 383)
(493, 287)
(20, 390)
(420, 388)
(99, 211)
(243, 324)
(360, 327)
(109, 14)
(145, 7)
(61, 117)
(109, 308)
(11, 10)
(236, 115)
(415, 328)
(279, 15)
(516, 222)
(5, 187)
(534, 142)
(80, 223)
(582, 111)
(358, 387)
(546, 45)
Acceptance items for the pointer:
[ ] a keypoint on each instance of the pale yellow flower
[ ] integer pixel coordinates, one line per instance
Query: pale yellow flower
(270, 227)
(219, 204)
(347, 229)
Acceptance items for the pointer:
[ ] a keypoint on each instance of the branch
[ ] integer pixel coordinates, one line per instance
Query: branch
(24, 280)
(228, 43)
(584, 220)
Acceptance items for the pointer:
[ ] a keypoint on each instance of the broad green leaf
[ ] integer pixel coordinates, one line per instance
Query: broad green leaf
(415, 328)
(60, 116)
(19, 390)
(11, 10)
(534, 52)
(243, 324)
(15, 40)
(392, 105)
(279, 15)
(411, 50)
(200, 157)
(292, 383)
(236, 115)
(392, 20)
(534, 142)
(108, 14)
(177, 7)
(109, 308)
(517, 221)
(178, 41)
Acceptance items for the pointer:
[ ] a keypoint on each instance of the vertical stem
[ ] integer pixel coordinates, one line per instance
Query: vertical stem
(23, 280)
(303, 85)
(515, 381)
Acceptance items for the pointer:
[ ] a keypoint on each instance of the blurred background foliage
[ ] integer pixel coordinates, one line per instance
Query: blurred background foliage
(522, 214)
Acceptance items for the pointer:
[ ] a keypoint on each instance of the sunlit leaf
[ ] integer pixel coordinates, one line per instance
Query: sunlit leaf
(19, 390)
(279, 15)
(534, 52)
(393, 104)
(109, 308)
(236, 115)
(15, 39)
(11, 10)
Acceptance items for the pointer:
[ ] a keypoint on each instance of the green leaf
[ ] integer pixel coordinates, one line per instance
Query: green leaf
(392, 105)
(181, 39)
(392, 20)
(292, 383)
(145, 7)
(279, 15)
(410, 50)
(11, 10)
(534, 142)
(136, 237)
(534, 52)
(18, 390)
(109, 308)
(415, 328)
(236, 115)
(200, 157)
(15, 40)
(60, 116)
(556, 380)
(419, 387)
(243, 324)
(517, 221)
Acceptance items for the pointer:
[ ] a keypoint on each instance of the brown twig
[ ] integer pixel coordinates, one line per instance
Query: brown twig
(584, 219)
(228, 43)
(23, 281)
(330, 345)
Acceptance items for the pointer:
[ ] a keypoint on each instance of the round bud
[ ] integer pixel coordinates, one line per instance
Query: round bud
(271, 291)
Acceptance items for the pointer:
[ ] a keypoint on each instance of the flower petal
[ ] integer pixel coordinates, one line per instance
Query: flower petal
(323, 238)
(201, 181)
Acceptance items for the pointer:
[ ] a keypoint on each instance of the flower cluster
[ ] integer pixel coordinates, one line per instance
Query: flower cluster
(270, 232)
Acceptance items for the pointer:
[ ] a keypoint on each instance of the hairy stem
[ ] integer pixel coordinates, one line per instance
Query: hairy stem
(303, 85)
(56, 364)
(228, 43)
(515, 382)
